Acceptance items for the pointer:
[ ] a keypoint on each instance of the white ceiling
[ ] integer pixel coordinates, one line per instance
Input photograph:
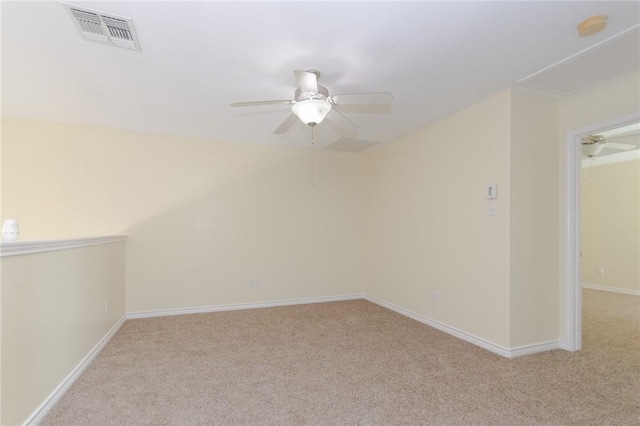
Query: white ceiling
(199, 57)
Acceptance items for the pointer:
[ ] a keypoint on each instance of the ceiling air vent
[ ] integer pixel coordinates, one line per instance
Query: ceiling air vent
(104, 27)
(351, 145)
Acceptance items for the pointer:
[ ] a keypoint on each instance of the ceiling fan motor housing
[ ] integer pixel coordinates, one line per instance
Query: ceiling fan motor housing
(322, 94)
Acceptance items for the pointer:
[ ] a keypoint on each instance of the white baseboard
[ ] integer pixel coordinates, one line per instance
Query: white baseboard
(237, 306)
(467, 337)
(44, 408)
(611, 289)
(536, 348)
(497, 349)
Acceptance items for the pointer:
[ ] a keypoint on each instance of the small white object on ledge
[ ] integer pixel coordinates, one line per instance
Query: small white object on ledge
(10, 229)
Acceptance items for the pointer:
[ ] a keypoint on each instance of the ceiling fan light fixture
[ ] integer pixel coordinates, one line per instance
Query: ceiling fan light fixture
(311, 111)
(591, 149)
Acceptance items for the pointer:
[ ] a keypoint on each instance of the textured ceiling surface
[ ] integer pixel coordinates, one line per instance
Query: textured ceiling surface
(196, 58)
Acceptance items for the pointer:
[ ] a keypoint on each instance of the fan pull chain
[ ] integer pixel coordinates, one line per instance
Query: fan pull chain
(591, 167)
(313, 157)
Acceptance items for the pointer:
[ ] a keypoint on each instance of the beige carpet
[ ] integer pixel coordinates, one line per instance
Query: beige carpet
(353, 363)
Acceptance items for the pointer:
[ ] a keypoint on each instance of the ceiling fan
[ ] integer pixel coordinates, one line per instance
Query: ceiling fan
(593, 144)
(312, 104)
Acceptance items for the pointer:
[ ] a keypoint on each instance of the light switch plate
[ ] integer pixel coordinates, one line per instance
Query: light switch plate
(492, 191)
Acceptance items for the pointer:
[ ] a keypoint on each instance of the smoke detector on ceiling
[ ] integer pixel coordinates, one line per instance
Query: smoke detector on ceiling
(103, 27)
(593, 25)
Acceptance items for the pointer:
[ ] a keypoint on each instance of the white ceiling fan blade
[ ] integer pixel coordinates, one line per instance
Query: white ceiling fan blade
(256, 103)
(363, 98)
(620, 146)
(630, 129)
(307, 81)
(344, 125)
(286, 125)
(624, 136)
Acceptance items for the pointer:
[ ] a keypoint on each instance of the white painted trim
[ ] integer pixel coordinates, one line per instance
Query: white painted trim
(572, 335)
(467, 337)
(618, 157)
(572, 289)
(611, 289)
(580, 53)
(500, 350)
(535, 348)
(238, 306)
(15, 248)
(39, 414)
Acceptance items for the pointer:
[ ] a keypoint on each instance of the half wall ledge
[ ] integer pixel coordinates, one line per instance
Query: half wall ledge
(16, 248)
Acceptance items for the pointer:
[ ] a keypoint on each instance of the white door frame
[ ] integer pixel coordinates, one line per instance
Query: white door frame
(572, 280)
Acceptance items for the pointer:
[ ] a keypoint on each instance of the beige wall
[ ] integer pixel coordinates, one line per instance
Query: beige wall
(534, 263)
(53, 314)
(430, 228)
(611, 225)
(429, 223)
(203, 217)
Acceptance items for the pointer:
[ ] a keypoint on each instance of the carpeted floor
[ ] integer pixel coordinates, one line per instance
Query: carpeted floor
(353, 363)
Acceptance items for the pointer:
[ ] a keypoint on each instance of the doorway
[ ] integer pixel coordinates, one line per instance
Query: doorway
(572, 293)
